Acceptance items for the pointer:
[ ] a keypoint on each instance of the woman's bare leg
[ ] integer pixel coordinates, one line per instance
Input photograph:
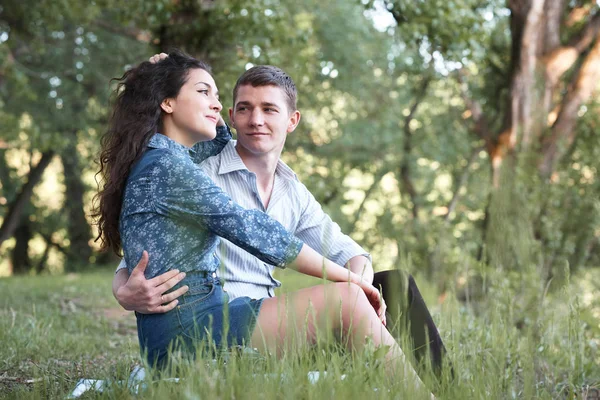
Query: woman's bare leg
(338, 308)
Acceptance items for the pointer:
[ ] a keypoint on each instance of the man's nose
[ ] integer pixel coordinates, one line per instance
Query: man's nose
(257, 118)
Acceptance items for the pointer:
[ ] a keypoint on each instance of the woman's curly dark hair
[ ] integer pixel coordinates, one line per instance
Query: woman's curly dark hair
(135, 118)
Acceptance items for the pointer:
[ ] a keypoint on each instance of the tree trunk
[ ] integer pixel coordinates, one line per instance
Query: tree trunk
(15, 210)
(405, 171)
(77, 225)
(21, 263)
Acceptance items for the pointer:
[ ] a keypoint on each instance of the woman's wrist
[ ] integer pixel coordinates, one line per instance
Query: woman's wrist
(358, 279)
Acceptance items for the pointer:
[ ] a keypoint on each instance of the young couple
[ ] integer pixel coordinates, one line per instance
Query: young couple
(155, 198)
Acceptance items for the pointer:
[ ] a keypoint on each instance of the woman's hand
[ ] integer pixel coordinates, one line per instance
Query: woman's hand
(311, 263)
(375, 299)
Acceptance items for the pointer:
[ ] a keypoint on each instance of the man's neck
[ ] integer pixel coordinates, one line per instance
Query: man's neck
(264, 167)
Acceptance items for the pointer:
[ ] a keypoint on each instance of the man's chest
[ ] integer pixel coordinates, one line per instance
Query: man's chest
(284, 204)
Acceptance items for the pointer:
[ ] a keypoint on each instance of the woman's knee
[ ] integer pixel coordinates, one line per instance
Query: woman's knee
(353, 298)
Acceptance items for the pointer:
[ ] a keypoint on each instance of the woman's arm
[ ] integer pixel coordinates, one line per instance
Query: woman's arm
(203, 150)
(311, 263)
(191, 196)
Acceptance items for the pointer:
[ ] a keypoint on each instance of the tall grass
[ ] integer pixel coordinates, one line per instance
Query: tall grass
(513, 341)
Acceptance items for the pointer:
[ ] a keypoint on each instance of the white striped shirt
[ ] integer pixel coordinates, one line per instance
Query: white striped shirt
(291, 204)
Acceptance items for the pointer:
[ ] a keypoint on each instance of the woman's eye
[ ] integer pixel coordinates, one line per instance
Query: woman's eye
(203, 91)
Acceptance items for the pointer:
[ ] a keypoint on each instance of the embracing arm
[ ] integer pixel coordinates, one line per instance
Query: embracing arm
(146, 296)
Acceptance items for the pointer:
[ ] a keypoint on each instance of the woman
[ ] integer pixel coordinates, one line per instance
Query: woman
(154, 197)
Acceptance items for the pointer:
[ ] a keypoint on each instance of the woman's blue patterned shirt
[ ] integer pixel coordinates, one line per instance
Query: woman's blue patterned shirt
(173, 210)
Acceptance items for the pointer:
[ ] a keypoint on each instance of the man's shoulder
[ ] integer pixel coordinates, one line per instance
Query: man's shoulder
(298, 189)
(212, 163)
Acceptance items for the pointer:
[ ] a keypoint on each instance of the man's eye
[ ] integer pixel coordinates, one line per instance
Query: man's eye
(270, 110)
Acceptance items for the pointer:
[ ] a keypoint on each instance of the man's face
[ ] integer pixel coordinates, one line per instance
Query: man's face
(262, 119)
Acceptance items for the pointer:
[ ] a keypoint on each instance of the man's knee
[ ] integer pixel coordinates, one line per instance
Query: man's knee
(394, 285)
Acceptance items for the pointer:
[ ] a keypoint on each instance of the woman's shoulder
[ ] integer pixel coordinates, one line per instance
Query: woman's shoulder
(160, 160)
(165, 157)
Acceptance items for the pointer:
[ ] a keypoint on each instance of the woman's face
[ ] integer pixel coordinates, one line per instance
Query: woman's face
(192, 116)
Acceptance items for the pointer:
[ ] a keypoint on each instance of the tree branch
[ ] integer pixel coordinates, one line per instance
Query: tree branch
(481, 128)
(50, 242)
(561, 59)
(376, 179)
(11, 220)
(139, 35)
(461, 183)
(562, 132)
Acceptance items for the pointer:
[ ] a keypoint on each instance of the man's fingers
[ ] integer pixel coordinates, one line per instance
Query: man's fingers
(158, 57)
(171, 282)
(166, 308)
(159, 280)
(142, 264)
(167, 298)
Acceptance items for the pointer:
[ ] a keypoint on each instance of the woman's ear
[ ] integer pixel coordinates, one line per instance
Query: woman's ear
(167, 105)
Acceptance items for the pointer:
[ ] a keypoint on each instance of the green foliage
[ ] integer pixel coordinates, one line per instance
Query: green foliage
(358, 82)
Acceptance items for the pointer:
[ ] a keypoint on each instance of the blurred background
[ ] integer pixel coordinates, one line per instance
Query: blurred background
(453, 138)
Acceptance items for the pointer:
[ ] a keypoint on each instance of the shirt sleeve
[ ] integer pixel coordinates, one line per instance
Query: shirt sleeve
(203, 150)
(122, 265)
(321, 233)
(191, 195)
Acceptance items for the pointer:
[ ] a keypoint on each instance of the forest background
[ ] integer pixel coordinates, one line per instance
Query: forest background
(457, 139)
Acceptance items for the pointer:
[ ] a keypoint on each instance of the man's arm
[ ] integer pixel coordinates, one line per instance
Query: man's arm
(362, 266)
(317, 230)
(146, 296)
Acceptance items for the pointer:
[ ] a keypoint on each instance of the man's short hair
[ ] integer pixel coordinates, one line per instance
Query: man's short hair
(268, 75)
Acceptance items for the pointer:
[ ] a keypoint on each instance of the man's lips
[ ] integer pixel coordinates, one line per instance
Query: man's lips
(257, 134)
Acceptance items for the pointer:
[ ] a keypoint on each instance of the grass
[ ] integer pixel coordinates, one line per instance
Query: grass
(514, 342)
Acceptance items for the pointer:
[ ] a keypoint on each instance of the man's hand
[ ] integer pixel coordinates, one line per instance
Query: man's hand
(158, 57)
(146, 296)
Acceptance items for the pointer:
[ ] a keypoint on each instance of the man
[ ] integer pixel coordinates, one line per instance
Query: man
(250, 170)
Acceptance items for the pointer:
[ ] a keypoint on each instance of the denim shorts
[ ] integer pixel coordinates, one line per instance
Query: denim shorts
(204, 318)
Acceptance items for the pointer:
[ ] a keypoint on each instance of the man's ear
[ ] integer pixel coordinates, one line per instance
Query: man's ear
(167, 105)
(293, 121)
(231, 121)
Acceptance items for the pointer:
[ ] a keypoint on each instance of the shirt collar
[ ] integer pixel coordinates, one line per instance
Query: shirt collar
(231, 161)
(160, 141)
